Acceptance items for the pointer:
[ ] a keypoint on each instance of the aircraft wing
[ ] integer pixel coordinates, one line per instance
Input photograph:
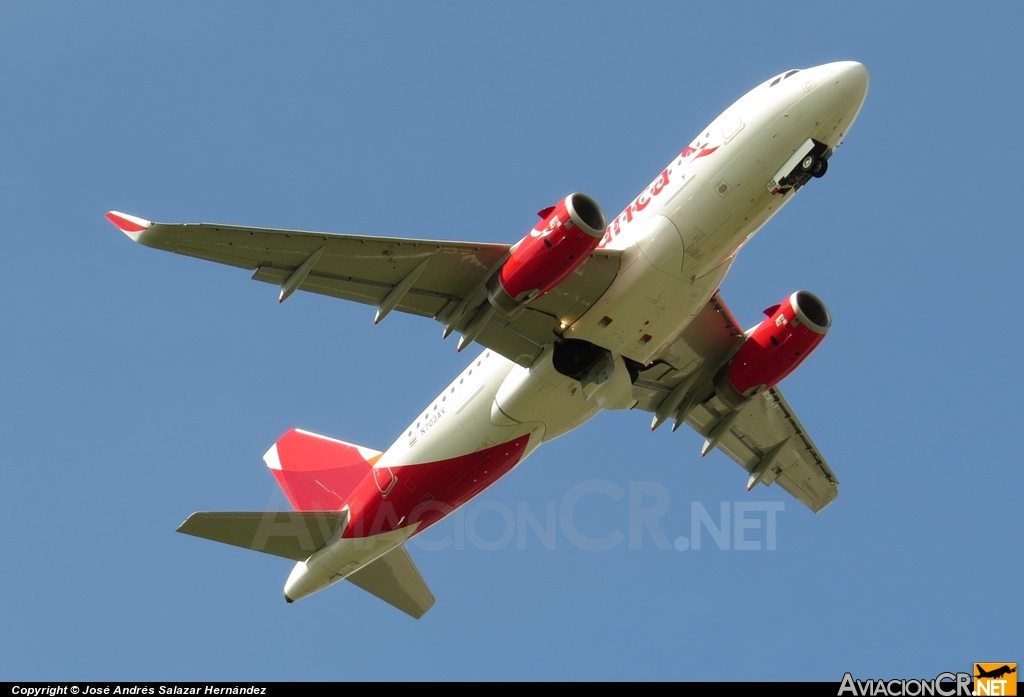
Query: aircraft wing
(765, 437)
(421, 277)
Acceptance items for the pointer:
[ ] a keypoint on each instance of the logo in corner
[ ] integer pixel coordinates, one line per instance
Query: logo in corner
(995, 679)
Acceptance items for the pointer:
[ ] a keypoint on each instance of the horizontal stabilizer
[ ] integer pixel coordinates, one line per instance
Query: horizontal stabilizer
(290, 534)
(395, 579)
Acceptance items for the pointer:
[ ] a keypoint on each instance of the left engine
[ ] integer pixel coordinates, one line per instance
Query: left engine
(774, 348)
(566, 235)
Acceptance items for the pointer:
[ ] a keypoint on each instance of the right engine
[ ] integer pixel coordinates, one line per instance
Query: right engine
(774, 348)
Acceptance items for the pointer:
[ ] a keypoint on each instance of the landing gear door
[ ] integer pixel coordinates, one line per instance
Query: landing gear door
(809, 160)
(780, 180)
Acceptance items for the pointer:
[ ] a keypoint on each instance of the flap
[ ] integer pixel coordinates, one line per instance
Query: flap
(768, 441)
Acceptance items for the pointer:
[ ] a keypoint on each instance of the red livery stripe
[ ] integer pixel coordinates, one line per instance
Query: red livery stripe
(124, 224)
(428, 492)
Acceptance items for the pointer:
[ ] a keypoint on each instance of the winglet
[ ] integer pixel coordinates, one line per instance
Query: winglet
(128, 224)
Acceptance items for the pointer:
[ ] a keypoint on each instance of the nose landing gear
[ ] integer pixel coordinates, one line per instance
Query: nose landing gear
(810, 160)
(814, 165)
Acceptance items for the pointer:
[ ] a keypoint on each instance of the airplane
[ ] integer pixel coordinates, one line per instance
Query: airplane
(995, 673)
(580, 315)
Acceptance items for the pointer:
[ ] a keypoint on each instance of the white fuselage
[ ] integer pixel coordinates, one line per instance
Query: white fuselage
(678, 239)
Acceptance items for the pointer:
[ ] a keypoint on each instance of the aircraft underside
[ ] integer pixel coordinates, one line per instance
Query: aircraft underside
(581, 315)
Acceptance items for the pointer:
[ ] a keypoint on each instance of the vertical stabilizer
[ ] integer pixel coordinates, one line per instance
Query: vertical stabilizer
(315, 472)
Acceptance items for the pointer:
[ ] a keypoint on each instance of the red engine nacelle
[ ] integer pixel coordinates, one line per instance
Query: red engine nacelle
(775, 348)
(565, 237)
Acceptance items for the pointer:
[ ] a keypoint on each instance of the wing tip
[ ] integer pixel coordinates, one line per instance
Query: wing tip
(182, 528)
(130, 225)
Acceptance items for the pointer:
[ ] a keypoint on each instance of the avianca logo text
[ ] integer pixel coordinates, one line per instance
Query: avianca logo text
(639, 203)
(698, 151)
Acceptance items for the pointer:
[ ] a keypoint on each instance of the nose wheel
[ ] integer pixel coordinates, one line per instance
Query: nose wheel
(814, 165)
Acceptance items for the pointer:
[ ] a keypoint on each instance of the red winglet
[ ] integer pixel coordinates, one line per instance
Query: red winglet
(128, 224)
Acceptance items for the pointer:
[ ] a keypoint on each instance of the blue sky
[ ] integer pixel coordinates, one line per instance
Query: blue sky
(137, 387)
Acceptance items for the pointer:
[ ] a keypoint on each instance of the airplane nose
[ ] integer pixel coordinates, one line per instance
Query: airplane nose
(851, 79)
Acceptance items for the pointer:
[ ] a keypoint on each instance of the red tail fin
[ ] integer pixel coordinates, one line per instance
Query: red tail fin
(315, 472)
